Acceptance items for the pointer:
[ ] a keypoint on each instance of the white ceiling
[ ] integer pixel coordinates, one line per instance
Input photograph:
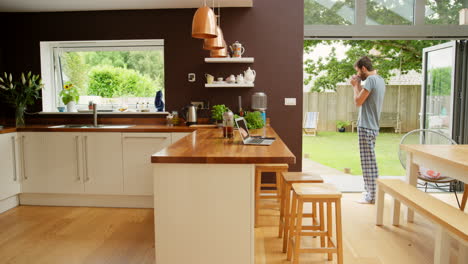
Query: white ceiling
(90, 5)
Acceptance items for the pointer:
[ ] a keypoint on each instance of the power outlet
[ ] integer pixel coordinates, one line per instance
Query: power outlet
(192, 77)
(289, 101)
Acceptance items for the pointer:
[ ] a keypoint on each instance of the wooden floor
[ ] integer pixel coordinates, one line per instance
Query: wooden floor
(30, 234)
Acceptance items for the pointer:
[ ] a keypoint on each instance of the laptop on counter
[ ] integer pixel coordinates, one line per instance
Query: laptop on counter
(245, 135)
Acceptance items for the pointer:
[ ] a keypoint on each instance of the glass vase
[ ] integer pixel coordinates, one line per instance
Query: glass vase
(20, 115)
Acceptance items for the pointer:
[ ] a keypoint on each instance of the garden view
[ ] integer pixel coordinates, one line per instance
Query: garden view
(114, 74)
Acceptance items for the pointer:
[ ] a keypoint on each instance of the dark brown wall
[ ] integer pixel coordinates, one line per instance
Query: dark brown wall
(271, 31)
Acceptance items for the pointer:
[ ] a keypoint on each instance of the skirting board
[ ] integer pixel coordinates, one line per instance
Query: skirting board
(124, 201)
(9, 203)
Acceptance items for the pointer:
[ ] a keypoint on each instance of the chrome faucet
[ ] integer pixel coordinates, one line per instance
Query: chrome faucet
(95, 114)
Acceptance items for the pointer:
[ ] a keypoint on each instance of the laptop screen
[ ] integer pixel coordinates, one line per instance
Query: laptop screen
(242, 125)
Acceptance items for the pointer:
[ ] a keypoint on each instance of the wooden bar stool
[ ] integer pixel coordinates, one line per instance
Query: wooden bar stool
(259, 169)
(324, 194)
(287, 180)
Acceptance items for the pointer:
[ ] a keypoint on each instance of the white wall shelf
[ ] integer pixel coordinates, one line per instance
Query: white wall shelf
(228, 85)
(229, 60)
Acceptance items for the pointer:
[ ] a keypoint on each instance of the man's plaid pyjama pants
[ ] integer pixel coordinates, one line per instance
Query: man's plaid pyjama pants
(370, 171)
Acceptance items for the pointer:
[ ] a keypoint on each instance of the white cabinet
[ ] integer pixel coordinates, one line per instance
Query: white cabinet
(9, 173)
(102, 160)
(51, 162)
(137, 166)
(178, 135)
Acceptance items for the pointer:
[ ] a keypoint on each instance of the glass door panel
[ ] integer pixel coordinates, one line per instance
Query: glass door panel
(438, 88)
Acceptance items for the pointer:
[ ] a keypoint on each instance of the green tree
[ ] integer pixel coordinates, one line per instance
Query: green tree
(443, 11)
(76, 70)
(387, 55)
(379, 12)
(316, 13)
(149, 63)
(112, 58)
(440, 81)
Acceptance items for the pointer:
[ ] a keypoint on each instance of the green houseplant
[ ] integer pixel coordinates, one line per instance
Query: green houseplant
(217, 112)
(254, 120)
(20, 93)
(341, 125)
(70, 96)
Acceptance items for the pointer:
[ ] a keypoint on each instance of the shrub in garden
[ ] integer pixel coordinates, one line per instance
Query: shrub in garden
(108, 81)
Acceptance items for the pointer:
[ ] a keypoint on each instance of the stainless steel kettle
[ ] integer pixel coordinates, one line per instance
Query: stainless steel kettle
(189, 113)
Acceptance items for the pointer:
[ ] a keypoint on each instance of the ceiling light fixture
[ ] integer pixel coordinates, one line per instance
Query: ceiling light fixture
(218, 42)
(204, 23)
(220, 53)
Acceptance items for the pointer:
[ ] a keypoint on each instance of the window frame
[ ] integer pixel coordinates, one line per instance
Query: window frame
(360, 30)
(51, 50)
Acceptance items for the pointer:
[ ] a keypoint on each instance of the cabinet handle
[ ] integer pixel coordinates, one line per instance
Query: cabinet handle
(23, 167)
(13, 147)
(86, 158)
(78, 178)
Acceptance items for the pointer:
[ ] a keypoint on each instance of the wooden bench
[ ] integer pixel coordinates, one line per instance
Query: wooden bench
(450, 221)
(387, 119)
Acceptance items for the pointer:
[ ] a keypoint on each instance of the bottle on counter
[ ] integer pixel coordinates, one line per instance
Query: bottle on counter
(175, 118)
(170, 120)
(228, 124)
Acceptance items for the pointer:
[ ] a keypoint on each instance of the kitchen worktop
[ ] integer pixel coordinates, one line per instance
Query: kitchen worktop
(208, 146)
(8, 130)
(135, 128)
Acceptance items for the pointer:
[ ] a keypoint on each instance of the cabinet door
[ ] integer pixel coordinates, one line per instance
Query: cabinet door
(137, 151)
(51, 162)
(103, 163)
(9, 176)
(177, 136)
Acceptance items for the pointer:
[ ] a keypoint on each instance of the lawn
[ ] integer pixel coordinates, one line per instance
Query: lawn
(340, 150)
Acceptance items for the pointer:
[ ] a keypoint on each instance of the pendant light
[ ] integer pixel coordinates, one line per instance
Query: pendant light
(220, 53)
(218, 42)
(204, 23)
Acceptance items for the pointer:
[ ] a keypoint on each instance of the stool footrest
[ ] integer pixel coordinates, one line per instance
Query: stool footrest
(268, 185)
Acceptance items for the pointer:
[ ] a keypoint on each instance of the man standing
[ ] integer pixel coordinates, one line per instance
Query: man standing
(369, 99)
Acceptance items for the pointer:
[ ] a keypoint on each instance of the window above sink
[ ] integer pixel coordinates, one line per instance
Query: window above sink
(120, 74)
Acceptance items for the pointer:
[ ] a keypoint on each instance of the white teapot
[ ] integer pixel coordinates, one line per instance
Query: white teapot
(249, 76)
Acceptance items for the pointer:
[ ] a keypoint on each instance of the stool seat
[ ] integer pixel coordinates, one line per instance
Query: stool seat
(299, 177)
(316, 190)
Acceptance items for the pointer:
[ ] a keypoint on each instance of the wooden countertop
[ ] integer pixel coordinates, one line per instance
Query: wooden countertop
(455, 155)
(208, 146)
(6, 130)
(135, 128)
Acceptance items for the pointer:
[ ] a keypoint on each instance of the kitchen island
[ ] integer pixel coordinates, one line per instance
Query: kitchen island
(204, 197)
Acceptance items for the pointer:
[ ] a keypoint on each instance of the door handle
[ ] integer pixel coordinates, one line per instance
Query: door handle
(23, 167)
(13, 147)
(86, 158)
(78, 178)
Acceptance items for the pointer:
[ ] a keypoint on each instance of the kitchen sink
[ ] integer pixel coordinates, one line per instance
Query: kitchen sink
(91, 126)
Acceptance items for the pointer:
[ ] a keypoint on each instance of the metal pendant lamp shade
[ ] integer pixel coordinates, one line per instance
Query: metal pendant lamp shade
(204, 23)
(215, 43)
(219, 53)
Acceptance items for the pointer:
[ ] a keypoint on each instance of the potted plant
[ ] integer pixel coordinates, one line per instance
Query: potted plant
(217, 113)
(20, 93)
(70, 96)
(341, 125)
(254, 120)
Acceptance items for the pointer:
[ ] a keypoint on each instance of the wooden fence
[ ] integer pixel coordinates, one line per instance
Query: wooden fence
(403, 100)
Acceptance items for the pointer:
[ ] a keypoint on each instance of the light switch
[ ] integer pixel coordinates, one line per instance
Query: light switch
(191, 77)
(289, 101)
